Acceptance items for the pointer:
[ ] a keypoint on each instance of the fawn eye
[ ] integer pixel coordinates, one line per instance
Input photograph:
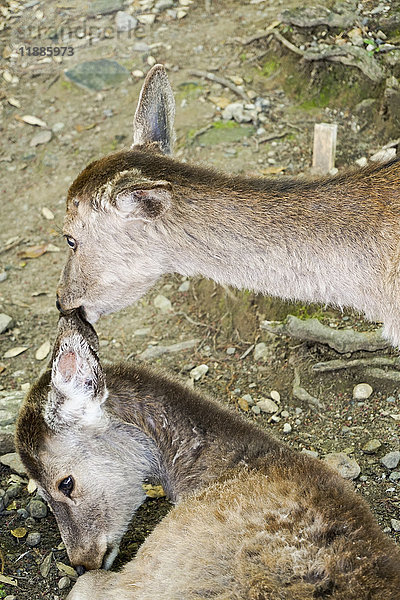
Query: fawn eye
(66, 486)
(71, 242)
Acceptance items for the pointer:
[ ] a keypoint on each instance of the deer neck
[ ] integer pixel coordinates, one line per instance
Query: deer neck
(193, 440)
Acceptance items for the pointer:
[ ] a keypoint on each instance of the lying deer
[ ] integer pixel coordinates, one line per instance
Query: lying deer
(253, 518)
(138, 214)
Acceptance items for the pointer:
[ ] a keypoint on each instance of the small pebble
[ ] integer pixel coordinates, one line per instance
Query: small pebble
(362, 391)
(37, 509)
(287, 428)
(275, 396)
(248, 398)
(343, 464)
(267, 405)
(33, 538)
(394, 476)
(395, 523)
(256, 410)
(63, 583)
(198, 372)
(162, 303)
(309, 452)
(22, 513)
(284, 414)
(391, 459)
(30, 522)
(3, 276)
(184, 287)
(231, 350)
(371, 446)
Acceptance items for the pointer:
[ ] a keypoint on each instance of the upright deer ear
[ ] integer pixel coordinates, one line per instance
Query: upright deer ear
(77, 389)
(155, 113)
(144, 204)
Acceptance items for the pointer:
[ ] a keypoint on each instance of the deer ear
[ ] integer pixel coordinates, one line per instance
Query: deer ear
(77, 389)
(144, 204)
(155, 113)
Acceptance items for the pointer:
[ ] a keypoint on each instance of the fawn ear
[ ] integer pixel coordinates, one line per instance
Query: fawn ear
(144, 203)
(155, 113)
(77, 389)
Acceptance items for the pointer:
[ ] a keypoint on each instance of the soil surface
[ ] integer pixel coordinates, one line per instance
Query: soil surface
(83, 125)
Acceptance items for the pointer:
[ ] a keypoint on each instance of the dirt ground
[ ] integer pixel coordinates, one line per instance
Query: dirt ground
(187, 36)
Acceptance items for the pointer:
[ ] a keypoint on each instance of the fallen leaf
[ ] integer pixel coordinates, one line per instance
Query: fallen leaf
(272, 170)
(43, 351)
(19, 532)
(33, 251)
(244, 405)
(12, 506)
(70, 571)
(45, 566)
(7, 76)
(15, 351)
(14, 102)
(32, 486)
(52, 248)
(42, 137)
(46, 212)
(153, 491)
(31, 120)
(8, 580)
(219, 101)
(80, 128)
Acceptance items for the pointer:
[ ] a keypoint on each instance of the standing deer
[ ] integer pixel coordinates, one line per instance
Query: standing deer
(138, 214)
(254, 520)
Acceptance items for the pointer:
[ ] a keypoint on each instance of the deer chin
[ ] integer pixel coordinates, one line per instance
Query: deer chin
(110, 556)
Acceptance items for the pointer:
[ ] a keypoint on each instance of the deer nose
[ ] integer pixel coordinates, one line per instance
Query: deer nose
(80, 569)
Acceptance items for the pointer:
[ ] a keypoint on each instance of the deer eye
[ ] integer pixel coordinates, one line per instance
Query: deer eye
(71, 242)
(66, 486)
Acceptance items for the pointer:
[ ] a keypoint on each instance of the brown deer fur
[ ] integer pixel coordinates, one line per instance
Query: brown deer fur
(138, 214)
(253, 519)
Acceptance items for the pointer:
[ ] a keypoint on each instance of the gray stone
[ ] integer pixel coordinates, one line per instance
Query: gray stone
(37, 509)
(30, 522)
(64, 582)
(125, 22)
(184, 287)
(155, 351)
(10, 403)
(391, 459)
(256, 410)
(394, 476)
(395, 523)
(142, 332)
(97, 74)
(248, 398)
(198, 372)
(13, 490)
(5, 322)
(42, 137)
(22, 513)
(310, 452)
(362, 162)
(163, 4)
(163, 304)
(57, 127)
(231, 350)
(362, 391)
(3, 276)
(287, 428)
(236, 112)
(13, 461)
(6, 442)
(371, 446)
(347, 467)
(267, 405)
(262, 352)
(33, 538)
(104, 7)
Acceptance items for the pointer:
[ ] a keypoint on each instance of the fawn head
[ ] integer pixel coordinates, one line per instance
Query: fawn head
(112, 206)
(77, 453)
